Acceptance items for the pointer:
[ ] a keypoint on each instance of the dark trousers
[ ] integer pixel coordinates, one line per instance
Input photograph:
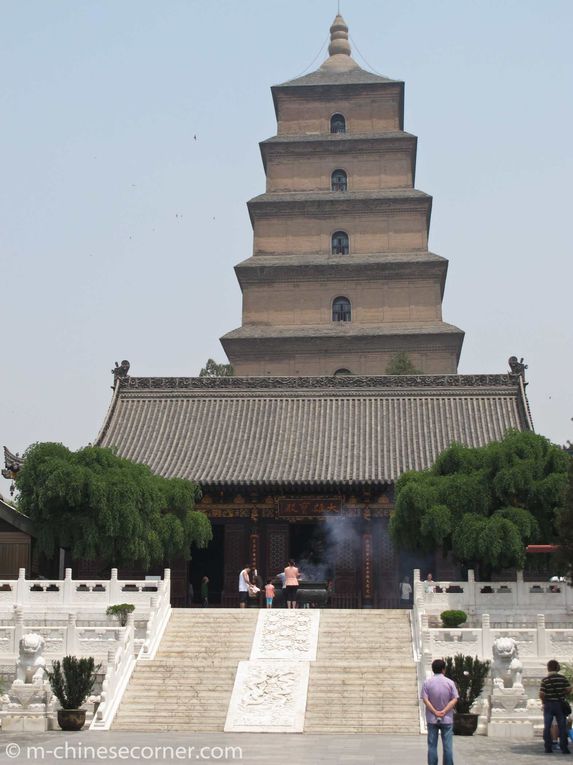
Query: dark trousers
(554, 709)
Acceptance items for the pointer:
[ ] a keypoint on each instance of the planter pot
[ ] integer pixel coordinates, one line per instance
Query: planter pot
(465, 724)
(71, 719)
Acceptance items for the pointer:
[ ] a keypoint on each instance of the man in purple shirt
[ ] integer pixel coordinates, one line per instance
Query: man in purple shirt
(440, 695)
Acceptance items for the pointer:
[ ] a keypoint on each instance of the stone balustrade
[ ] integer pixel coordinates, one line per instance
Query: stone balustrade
(71, 617)
(77, 594)
(473, 597)
(489, 605)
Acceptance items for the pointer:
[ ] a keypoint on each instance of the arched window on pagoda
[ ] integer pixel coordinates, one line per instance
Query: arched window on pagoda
(340, 243)
(341, 309)
(337, 124)
(339, 181)
(341, 372)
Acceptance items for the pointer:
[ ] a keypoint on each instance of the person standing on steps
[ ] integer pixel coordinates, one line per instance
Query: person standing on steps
(440, 695)
(292, 576)
(553, 694)
(205, 591)
(429, 584)
(244, 583)
(405, 593)
(269, 593)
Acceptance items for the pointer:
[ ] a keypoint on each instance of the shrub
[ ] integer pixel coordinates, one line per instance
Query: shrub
(469, 675)
(567, 670)
(453, 618)
(121, 610)
(72, 680)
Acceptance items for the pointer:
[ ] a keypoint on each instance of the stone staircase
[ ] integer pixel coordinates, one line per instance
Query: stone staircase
(187, 687)
(364, 678)
(363, 681)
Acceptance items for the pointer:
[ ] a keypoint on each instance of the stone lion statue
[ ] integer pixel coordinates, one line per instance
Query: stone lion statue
(506, 665)
(30, 664)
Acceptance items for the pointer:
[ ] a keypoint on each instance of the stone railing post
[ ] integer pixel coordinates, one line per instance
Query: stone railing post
(520, 589)
(68, 587)
(417, 586)
(568, 597)
(471, 593)
(72, 638)
(114, 589)
(426, 644)
(21, 588)
(486, 640)
(542, 647)
(167, 584)
(18, 628)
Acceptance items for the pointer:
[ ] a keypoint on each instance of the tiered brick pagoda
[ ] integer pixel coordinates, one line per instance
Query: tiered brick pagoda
(294, 460)
(341, 278)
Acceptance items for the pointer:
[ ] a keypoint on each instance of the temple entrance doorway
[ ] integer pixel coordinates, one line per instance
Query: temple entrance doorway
(309, 548)
(209, 562)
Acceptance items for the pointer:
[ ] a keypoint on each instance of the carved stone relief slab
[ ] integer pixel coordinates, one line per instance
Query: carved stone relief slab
(286, 634)
(269, 696)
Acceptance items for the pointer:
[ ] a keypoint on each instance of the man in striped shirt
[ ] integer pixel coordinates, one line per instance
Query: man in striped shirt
(554, 689)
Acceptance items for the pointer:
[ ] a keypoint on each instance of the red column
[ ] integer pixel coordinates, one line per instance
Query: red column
(367, 569)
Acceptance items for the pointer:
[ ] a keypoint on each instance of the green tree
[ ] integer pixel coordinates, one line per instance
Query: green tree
(565, 529)
(401, 364)
(483, 504)
(212, 369)
(100, 506)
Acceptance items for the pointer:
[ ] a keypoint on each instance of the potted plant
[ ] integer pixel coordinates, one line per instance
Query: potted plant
(121, 610)
(453, 618)
(72, 680)
(469, 674)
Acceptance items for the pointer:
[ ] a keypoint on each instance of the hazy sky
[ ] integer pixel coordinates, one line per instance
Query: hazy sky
(119, 231)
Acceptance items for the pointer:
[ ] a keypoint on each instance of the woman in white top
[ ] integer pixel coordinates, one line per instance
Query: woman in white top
(244, 587)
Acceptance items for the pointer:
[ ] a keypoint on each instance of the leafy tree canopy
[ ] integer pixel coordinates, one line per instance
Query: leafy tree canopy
(100, 506)
(401, 364)
(565, 528)
(212, 369)
(484, 504)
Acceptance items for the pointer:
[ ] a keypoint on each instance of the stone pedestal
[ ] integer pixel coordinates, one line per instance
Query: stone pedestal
(511, 714)
(26, 708)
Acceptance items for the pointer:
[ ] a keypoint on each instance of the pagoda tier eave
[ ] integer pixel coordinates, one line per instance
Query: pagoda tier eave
(338, 143)
(248, 343)
(265, 269)
(338, 330)
(339, 202)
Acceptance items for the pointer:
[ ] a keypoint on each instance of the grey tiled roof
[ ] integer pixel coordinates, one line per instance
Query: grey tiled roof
(336, 138)
(14, 518)
(345, 328)
(306, 431)
(340, 196)
(355, 76)
(320, 259)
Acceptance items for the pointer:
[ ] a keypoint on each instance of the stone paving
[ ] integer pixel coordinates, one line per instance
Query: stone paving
(257, 748)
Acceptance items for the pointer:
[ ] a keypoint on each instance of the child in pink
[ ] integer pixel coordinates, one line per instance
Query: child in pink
(269, 592)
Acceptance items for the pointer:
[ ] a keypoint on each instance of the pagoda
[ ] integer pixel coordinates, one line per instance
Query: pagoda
(341, 278)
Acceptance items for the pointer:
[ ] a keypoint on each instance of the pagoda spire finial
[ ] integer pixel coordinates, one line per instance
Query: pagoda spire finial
(339, 48)
(339, 37)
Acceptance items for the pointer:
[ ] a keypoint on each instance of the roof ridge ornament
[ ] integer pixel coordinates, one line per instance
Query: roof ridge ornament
(120, 372)
(517, 367)
(339, 51)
